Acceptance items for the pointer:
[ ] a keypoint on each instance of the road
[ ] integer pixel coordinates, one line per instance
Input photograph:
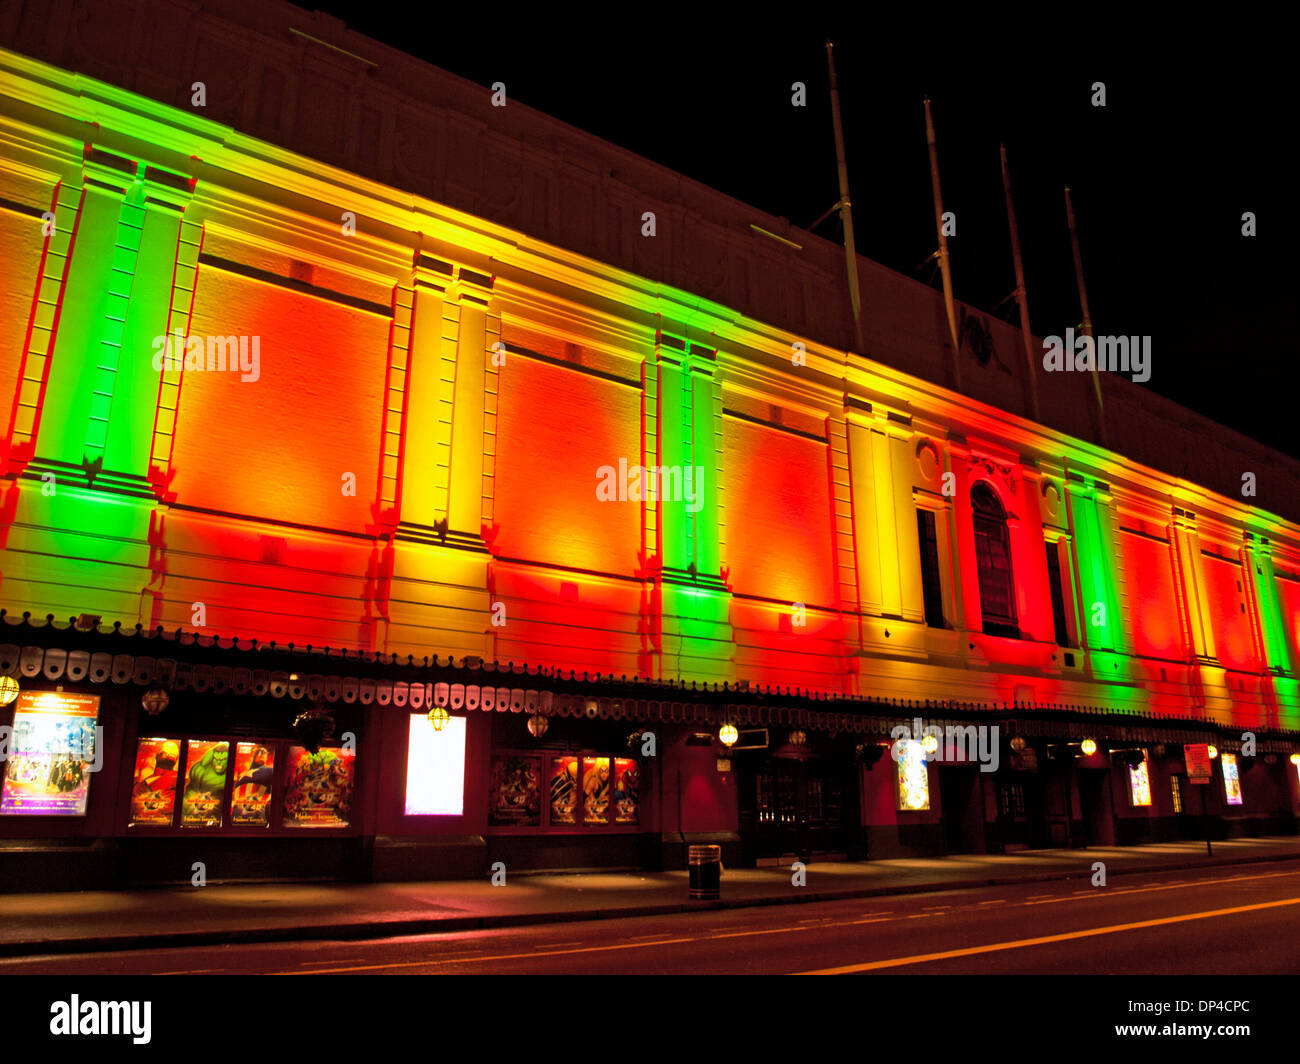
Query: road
(1219, 921)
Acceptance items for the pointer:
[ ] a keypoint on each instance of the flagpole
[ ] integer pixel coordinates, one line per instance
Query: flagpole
(944, 267)
(1021, 297)
(1087, 317)
(846, 209)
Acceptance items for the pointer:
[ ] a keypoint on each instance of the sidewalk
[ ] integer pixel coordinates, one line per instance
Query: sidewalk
(270, 912)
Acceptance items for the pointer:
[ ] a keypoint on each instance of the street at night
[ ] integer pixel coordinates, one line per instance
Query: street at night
(1223, 921)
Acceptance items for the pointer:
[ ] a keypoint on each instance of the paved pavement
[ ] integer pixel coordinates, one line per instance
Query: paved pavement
(279, 912)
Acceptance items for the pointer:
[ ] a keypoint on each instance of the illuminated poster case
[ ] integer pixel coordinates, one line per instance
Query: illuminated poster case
(193, 783)
(51, 755)
(545, 791)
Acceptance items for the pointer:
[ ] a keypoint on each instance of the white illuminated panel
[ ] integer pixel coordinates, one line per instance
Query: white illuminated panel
(435, 768)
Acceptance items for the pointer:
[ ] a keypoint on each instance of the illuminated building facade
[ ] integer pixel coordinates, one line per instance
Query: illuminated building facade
(346, 394)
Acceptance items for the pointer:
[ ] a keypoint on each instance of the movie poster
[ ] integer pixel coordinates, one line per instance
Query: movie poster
(250, 801)
(515, 794)
(1231, 780)
(627, 787)
(318, 788)
(1139, 783)
(51, 754)
(205, 784)
(564, 790)
(153, 787)
(913, 776)
(595, 790)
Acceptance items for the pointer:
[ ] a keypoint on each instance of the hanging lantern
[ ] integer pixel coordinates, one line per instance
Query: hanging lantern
(1018, 743)
(8, 690)
(155, 700)
(1295, 759)
(438, 717)
(1089, 747)
(313, 727)
(1213, 752)
(728, 734)
(798, 737)
(930, 744)
(537, 725)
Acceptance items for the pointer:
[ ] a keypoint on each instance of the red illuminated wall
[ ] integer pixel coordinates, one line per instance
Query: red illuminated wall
(1234, 643)
(1152, 598)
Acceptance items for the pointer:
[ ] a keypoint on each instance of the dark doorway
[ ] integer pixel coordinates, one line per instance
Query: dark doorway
(963, 808)
(1097, 811)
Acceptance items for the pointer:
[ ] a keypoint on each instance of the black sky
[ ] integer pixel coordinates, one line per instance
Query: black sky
(1198, 121)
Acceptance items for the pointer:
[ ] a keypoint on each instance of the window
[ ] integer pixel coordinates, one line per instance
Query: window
(930, 583)
(993, 560)
(1176, 793)
(1058, 594)
(1013, 799)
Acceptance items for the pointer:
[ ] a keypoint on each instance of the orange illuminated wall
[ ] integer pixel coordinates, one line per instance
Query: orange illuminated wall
(1225, 602)
(279, 446)
(20, 236)
(1152, 598)
(557, 427)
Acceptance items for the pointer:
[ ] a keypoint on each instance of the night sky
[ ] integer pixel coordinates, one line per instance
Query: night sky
(1193, 134)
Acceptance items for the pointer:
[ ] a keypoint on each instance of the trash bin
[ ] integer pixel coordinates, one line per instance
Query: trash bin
(706, 872)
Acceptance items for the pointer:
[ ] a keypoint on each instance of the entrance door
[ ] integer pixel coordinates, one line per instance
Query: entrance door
(791, 807)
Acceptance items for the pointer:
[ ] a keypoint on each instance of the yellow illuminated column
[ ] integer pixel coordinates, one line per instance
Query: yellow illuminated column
(51, 287)
(1191, 585)
(884, 520)
(846, 572)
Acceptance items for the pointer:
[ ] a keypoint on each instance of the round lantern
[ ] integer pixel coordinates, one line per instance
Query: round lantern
(155, 700)
(438, 717)
(537, 725)
(1213, 752)
(728, 734)
(8, 690)
(1089, 747)
(1018, 743)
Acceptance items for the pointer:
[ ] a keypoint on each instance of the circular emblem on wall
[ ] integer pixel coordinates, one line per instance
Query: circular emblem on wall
(927, 460)
(1051, 498)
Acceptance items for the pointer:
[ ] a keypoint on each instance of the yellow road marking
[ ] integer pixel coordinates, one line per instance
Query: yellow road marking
(499, 957)
(924, 958)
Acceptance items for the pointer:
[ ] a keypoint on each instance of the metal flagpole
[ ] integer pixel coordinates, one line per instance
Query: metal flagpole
(1087, 317)
(944, 268)
(846, 210)
(1021, 296)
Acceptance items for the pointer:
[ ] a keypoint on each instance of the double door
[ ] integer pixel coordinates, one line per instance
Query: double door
(792, 807)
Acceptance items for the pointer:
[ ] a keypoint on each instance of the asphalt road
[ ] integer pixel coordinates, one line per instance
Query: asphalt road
(1239, 920)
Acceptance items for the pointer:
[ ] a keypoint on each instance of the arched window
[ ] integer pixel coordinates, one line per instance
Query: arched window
(993, 559)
